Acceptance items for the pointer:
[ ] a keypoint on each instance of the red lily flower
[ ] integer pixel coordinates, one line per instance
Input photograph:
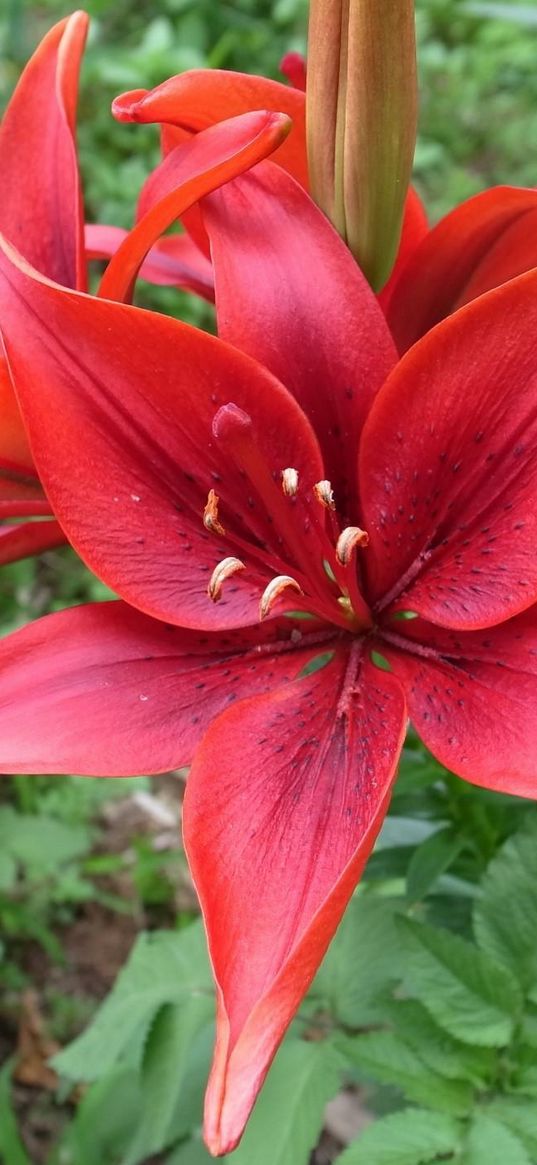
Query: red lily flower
(351, 489)
(484, 242)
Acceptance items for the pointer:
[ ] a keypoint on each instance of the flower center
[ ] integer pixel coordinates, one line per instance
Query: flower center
(311, 554)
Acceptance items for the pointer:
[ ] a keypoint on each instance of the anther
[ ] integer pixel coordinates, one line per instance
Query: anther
(275, 588)
(324, 494)
(347, 542)
(289, 482)
(223, 571)
(210, 514)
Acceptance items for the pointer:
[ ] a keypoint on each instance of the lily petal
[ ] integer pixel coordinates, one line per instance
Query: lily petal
(14, 447)
(105, 691)
(131, 456)
(40, 198)
(448, 467)
(28, 538)
(475, 704)
(174, 261)
(293, 66)
(203, 97)
(462, 257)
(289, 291)
(189, 172)
(286, 795)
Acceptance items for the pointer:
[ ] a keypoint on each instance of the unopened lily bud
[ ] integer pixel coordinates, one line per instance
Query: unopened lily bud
(361, 122)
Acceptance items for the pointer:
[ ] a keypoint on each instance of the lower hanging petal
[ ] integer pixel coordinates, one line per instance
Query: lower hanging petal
(285, 799)
(105, 691)
(473, 698)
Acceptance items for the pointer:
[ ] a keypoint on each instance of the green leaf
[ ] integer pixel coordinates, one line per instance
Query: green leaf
(430, 860)
(8, 871)
(104, 1121)
(505, 917)
(440, 1051)
(163, 968)
(520, 1116)
(466, 992)
(491, 1143)
(165, 1065)
(41, 843)
(383, 1056)
(193, 1153)
(412, 1137)
(12, 1151)
(522, 14)
(361, 961)
(288, 1117)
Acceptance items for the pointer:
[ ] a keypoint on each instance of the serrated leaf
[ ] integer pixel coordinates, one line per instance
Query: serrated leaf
(431, 859)
(466, 992)
(288, 1117)
(361, 961)
(188, 1113)
(490, 1143)
(505, 917)
(105, 1118)
(386, 1058)
(440, 1051)
(165, 1063)
(412, 1137)
(12, 1151)
(520, 1116)
(163, 968)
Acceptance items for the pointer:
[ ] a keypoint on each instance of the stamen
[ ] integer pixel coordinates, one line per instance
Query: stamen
(225, 569)
(347, 542)
(275, 588)
(289, 482)
(325, 494)
(210, 514)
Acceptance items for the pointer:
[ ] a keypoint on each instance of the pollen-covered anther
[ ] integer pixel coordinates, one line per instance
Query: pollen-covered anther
(210, 514)
(275, 588)
(347, 542)
(225, 569)
(325, 494)
(289, 482)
